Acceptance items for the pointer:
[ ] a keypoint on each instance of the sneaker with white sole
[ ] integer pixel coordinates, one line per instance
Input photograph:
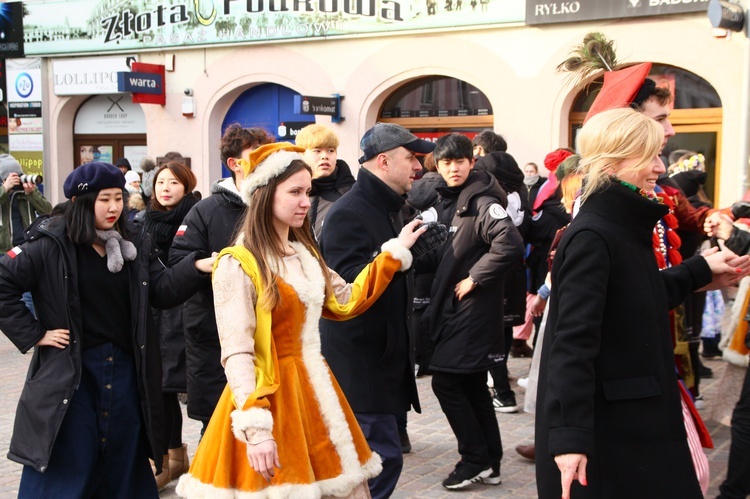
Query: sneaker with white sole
(505, 405)
(465, 474)
(523, 382)
(494, 477)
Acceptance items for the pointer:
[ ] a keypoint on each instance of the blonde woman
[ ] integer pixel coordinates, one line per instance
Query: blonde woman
(610, 420)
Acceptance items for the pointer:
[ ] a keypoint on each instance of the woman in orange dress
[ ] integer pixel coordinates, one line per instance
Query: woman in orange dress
(283, 427)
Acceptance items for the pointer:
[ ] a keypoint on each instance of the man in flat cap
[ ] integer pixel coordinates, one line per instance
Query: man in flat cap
(371, 355)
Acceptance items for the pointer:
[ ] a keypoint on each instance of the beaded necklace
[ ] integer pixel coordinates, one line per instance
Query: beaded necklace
(665, 241)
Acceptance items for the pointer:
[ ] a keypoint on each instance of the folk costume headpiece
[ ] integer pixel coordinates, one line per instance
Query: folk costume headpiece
(623, 86)
(266, 162)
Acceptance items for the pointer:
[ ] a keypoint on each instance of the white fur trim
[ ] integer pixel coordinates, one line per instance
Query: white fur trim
(248, 424)
(735, 358)
(273, 166)
(399, 252)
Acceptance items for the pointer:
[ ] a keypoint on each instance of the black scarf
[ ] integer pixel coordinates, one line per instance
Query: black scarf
(162, 225)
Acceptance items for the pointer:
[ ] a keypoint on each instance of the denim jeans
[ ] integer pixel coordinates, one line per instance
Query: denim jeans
(100, 450)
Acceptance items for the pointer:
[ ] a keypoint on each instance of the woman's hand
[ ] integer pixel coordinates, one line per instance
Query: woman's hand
(409, 235)
(726, 266)
(538, 305)
(58, 338)
(206, 265)
(263, 457)
(572, 467)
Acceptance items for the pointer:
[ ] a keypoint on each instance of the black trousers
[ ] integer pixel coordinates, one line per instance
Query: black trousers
(737, 483)
(467, 404)
(500, 375)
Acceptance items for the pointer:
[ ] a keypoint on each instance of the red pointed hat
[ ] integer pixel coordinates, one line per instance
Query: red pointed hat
(620, 88)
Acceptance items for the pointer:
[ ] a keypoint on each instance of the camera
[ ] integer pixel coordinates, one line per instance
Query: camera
(31, 179)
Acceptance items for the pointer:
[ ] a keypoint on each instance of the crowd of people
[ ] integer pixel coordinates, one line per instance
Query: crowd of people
(294, 305)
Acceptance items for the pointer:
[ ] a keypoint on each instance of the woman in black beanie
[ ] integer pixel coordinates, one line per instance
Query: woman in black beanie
(171, 200)
(90, 413)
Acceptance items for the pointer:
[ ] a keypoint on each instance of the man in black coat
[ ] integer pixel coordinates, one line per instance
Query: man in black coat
(466, 318)
(371, 355)
(209, 227)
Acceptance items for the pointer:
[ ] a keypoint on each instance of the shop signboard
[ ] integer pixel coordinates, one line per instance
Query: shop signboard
(11, 30)
(547, 12)
(88, 75)
(24, 87)
(95, 26)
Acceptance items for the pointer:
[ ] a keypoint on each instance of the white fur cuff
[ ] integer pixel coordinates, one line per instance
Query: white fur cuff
(253, 425)
(399, 252)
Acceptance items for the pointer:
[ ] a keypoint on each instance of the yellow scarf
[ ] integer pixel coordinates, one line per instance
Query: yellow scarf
(267, 381)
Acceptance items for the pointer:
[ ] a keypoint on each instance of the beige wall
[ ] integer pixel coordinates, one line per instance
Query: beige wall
(513, 66)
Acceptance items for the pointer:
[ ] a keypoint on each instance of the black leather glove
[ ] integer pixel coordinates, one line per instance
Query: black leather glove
(434, 237)
(741, 209)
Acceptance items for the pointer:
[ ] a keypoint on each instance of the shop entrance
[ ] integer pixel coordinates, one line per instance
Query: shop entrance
(108, 127)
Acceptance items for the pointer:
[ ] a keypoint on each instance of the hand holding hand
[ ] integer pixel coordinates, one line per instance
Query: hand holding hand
(263, 458)
(718, 225)
(58, 338)
(409, 235)
(572, 467)
(727, 267)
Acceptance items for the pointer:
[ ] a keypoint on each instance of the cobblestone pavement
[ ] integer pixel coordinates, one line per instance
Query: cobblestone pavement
(434, 448)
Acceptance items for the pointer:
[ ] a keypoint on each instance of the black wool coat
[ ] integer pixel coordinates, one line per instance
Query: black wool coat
(607, 381)
(47, 267)
(210, 226)
(371, 355)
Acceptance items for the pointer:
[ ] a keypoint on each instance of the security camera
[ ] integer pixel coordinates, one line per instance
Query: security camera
(188, 91)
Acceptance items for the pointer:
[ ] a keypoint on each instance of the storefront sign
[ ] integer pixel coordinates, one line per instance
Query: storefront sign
(24, 82)
(88, 75)
(110, 114)
(546, 12)
(144, 83)
(95, 26)
(154, 84)
(11, 30)
(323, 106)
(288, 130)
(26, 142)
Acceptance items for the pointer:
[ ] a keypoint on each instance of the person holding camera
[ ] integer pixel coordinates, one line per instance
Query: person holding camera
(20, 204)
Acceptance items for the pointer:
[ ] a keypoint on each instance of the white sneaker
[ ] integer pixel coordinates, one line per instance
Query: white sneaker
(523, 382)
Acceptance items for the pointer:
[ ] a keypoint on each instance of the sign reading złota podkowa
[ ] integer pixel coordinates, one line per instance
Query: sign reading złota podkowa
(89, 26)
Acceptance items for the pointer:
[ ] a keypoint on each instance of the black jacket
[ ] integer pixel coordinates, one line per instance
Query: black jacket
(550, 217)
(326, 191)
(370, 355)
(607, 381)
(46, 266)
(210, 225)
(485, 244)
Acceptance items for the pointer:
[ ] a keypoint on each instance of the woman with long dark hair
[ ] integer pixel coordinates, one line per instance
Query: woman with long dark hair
(90, 414)
(171, 199)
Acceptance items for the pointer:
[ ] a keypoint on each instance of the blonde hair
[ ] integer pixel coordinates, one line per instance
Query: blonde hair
(570, 184)
(316, 136)
(611, 137)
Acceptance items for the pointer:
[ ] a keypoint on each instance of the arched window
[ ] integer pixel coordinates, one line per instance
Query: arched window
(435, 105)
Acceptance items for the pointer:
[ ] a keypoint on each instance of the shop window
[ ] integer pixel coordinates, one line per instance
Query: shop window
(436, 96)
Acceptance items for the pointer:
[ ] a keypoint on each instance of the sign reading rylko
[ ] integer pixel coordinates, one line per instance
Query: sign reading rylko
(546, 12)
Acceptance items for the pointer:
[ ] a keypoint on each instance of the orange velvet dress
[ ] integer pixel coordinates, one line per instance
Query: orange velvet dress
(322, 450)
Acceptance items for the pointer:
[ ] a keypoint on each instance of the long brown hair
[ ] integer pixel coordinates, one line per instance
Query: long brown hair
(182, 173)
(262, 240)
